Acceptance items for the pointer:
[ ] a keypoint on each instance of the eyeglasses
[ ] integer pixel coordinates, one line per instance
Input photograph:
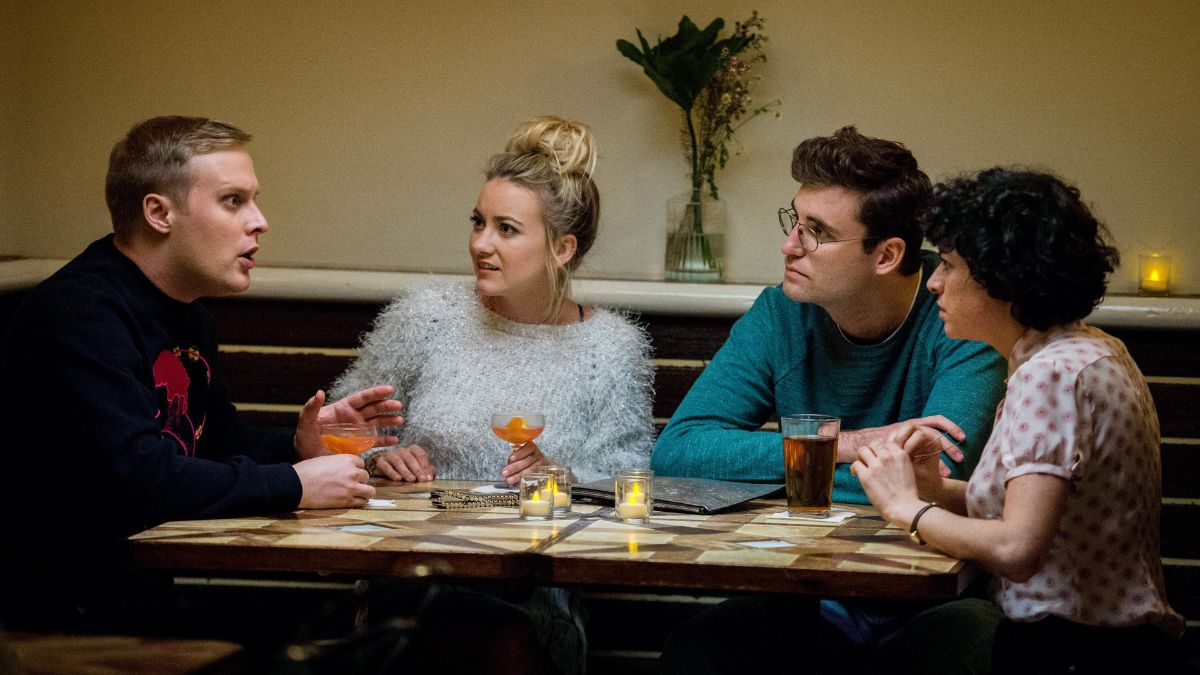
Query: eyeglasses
(788, 220)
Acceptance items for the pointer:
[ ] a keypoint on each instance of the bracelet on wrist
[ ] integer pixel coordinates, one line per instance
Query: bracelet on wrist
(913, 534)
(371, 459)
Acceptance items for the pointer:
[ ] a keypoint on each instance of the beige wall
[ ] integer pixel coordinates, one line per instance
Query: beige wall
(373, 118)
(9, 49)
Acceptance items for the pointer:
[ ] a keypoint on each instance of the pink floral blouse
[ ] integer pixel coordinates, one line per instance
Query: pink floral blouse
(1077, 407)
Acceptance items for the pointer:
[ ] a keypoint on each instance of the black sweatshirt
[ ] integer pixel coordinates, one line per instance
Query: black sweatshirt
(115, 419)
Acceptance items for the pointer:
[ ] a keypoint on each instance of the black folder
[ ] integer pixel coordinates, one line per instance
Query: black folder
(687, 495)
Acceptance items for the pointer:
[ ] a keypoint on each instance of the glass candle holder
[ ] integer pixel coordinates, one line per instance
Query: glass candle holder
(634, 495)
(536, 496)
(560, 487)
(1154, 274)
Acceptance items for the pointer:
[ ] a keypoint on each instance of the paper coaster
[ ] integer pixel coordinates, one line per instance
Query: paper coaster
(835, 516)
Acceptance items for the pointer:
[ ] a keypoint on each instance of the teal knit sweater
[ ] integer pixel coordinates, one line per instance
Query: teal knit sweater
(785, 357)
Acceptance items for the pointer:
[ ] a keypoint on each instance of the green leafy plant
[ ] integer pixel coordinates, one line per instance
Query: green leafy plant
(708, 77)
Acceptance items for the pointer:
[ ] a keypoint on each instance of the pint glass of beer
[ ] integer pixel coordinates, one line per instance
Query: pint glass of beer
(809, 454)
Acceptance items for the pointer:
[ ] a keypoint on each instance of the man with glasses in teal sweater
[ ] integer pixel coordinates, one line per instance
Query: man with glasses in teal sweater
(851, 332)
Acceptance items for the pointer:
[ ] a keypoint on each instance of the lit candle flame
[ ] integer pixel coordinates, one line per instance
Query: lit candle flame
(1154, 275)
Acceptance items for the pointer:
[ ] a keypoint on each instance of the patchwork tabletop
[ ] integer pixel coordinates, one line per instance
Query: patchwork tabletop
(746, 549)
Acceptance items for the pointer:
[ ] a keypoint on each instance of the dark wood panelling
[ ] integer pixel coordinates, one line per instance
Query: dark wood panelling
(678, 337)
(1181, 470)
(268, 419)
(291, 323)
(671, 384)
(1178, 409)
(1183, 589)
(292, 378)
(279, 378)
(1162, 352)
(1181, 531)
(314, 324)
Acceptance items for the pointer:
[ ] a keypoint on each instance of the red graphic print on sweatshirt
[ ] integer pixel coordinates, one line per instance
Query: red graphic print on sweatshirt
(181, 376)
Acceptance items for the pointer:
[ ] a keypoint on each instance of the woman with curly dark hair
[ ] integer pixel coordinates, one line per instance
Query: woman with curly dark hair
(1063, 507)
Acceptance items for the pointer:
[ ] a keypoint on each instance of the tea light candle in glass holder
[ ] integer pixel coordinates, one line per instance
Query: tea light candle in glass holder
(1154, 274)
(634, 495)
(536, 496)
(560, 488)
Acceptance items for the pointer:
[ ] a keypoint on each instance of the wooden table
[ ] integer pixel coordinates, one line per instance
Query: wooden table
(744, 550)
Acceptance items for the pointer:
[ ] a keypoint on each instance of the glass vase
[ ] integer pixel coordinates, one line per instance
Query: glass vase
(695, 239)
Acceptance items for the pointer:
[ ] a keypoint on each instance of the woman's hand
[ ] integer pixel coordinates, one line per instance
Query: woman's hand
(524, 459)
(850, 441)
(409, 464)
(886, 473)
(925, 447)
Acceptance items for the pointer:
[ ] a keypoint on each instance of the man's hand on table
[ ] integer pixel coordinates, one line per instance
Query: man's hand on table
(409, 464)
(333, 482)
(922, 437)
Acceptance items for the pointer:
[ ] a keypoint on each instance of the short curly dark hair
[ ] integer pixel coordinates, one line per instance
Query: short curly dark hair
(1027, 239)
(895, 192)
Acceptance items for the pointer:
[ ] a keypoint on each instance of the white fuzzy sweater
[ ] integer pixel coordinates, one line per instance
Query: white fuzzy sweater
(453, 363)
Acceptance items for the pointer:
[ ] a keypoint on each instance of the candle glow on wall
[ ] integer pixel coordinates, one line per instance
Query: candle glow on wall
(1154, 274)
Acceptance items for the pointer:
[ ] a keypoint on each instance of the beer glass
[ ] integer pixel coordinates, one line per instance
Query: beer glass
(809, 455)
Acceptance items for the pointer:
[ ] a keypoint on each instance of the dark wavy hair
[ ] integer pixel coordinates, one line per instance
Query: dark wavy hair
(1027, 239)
(895, 192)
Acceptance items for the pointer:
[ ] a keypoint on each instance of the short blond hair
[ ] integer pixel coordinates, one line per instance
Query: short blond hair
(152, 159)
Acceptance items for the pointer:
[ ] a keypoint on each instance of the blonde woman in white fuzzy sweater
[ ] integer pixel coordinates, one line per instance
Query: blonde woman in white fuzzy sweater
(516, 340)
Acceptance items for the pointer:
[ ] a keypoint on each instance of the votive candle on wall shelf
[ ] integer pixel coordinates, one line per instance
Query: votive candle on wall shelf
(1154, 274)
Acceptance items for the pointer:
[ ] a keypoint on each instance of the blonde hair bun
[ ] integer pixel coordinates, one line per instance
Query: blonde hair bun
(568, 145)
(554, 158)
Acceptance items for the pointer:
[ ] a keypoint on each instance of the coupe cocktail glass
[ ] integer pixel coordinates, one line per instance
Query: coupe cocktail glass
(349, 438)
(517, 428)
